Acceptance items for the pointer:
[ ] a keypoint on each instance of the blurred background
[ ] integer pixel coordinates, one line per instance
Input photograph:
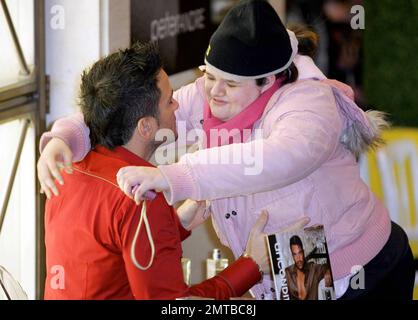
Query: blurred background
(45, 44)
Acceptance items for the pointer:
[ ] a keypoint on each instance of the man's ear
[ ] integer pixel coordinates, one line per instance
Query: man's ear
(269, 82)
(145, 127)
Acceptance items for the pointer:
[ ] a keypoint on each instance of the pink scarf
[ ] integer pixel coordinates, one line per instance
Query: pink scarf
(235, 127)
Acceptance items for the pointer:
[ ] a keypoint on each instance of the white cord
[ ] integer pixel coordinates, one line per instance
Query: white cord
(142, 218)
(151, 242)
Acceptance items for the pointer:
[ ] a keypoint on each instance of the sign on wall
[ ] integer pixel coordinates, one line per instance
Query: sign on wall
(182, 29)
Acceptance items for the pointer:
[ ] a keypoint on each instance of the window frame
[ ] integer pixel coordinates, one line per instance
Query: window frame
(28, 99)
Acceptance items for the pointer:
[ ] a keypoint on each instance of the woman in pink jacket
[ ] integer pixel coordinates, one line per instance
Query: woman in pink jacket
(293, 138)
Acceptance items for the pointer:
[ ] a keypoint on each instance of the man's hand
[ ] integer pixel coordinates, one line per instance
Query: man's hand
(192, 213)
(298, 224)
(257, 247)
(55, 156)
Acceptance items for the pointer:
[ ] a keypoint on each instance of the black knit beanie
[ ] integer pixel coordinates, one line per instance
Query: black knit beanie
(251, 42)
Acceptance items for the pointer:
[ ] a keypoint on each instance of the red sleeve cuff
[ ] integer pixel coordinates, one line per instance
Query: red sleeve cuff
(241, 275)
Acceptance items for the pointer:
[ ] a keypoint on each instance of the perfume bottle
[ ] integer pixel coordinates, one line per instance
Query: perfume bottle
(216, 264)
(187, 270)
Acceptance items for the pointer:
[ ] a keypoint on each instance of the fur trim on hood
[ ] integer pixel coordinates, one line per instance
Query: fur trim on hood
(358, 137)
(362, 130)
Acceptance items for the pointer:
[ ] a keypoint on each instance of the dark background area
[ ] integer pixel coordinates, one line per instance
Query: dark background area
(390, 59)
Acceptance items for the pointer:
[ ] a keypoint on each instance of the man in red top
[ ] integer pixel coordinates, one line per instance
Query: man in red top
(89, 229)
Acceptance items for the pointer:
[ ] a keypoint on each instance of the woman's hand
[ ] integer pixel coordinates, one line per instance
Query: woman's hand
(55, 156)
(147, 179)
(257, 247)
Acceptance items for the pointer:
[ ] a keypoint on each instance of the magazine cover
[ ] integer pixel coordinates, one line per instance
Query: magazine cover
(300, 265)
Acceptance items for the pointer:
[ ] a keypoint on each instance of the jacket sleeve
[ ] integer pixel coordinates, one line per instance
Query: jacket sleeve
(190, 99)
(164, 279)
(302, 138)
(73, 131)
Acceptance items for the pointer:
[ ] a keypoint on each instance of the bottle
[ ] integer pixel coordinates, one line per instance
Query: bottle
(216, 264)
(187, 270)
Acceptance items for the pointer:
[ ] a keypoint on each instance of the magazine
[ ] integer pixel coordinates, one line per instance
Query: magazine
(300, 264)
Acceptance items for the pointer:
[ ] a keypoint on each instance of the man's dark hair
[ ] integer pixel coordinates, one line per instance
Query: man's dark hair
(295, 240)
(117, 91)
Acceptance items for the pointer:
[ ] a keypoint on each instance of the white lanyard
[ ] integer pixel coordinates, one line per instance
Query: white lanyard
(143, 218)
(151, 242)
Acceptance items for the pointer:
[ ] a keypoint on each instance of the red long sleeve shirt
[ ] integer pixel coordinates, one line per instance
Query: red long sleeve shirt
(89, 230)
